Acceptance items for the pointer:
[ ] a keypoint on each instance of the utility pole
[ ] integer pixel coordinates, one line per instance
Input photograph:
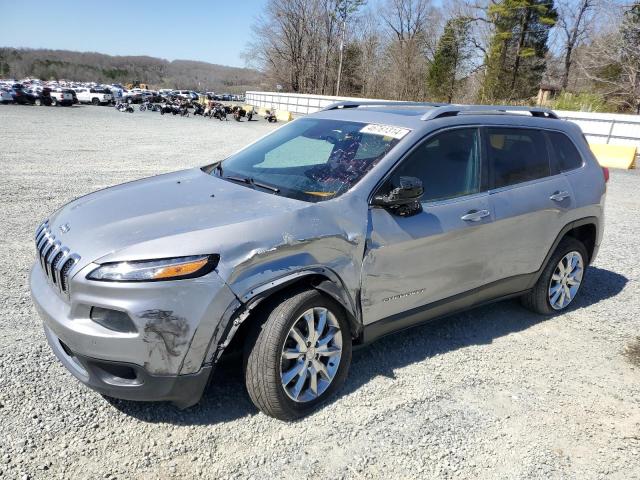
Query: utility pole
(344, 30)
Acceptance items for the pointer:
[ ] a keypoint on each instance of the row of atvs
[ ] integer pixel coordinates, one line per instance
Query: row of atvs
(213, 110)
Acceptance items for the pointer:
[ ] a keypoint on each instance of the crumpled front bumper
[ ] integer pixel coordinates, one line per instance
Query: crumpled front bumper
(129, 381)
(164, 359)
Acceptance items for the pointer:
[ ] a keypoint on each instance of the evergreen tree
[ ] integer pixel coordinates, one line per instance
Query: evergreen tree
(450, 55)
(515, 58)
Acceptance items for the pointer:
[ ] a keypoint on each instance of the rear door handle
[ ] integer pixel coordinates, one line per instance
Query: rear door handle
(559, 196)
(475, 215)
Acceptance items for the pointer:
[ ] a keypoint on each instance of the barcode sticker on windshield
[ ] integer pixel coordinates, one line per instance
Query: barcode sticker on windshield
(385, 130)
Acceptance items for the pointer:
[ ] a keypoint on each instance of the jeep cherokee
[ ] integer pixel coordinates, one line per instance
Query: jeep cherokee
(332, 231)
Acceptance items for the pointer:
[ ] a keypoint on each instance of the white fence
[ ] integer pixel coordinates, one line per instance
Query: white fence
(615, 129)
(295, 102)
(610, 128)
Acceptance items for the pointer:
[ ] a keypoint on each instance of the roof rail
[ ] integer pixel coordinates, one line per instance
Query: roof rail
(378, 103)
(453, 110)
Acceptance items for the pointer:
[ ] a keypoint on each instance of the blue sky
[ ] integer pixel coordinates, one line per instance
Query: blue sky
(216, 31)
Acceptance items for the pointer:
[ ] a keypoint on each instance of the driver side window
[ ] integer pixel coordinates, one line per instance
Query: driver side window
(448, 164)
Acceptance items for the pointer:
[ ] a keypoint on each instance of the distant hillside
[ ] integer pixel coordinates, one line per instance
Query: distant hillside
(97, 67)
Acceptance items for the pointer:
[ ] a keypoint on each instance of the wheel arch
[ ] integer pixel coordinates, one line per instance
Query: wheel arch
(587, 234)
(584, 230)
(254, 303)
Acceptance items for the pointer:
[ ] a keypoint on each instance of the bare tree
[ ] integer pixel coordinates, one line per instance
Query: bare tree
(407, 21)
(574, 23)
(612, 62)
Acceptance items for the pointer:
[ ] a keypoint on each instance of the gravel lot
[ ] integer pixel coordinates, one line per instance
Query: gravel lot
(493, 393)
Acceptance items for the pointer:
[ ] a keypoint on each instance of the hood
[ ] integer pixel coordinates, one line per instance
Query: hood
(172, 206)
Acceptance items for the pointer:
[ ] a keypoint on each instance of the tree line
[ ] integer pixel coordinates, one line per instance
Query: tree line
(96, 67)
(585, 53)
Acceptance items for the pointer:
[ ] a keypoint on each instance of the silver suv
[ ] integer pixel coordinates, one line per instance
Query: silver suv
(335, 229)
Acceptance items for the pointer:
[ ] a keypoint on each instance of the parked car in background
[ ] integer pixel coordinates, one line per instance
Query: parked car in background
(22, 96)
(61, 96)
(5, 96)
(74, 97)
(95, 96)
(116, 92)
(187, 95)
(43, 96)
(132, 96)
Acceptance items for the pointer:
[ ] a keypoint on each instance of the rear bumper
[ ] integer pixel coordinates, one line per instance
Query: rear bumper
(128, 381)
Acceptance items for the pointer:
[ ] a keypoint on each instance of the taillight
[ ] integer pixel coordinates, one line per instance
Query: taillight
(605, 171)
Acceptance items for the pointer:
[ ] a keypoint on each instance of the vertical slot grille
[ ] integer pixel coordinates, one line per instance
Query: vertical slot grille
(56, 260)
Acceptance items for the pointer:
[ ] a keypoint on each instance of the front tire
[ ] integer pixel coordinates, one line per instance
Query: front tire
(560, 281)
(299, 356)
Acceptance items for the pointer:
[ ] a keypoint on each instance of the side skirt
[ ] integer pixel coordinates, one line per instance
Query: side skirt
(494, 292)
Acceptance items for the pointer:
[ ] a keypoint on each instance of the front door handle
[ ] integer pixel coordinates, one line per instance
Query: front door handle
(559, 196)
(475, 215)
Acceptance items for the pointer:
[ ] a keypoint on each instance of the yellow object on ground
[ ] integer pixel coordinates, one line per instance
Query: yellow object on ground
(615, 156)
(284, 116)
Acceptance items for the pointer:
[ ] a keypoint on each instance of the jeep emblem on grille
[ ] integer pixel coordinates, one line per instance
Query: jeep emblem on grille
(65, 228)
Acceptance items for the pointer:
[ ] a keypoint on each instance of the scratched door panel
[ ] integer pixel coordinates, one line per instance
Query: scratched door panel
(413, 261)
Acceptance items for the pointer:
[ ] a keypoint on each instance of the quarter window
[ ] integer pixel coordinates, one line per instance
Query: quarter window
(448, 165)
(565, 153)
(517, 155)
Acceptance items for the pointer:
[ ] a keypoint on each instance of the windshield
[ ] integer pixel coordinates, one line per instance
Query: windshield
(311, 159)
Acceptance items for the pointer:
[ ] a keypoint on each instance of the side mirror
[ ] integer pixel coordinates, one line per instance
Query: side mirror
(403, 200)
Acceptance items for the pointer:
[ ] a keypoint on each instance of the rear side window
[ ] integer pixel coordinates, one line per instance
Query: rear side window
(517, 155)
(565, 153)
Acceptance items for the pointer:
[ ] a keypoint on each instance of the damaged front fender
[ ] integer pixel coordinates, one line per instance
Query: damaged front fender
(240, 310)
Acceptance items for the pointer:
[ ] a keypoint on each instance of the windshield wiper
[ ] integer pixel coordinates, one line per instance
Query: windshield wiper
(252, 182)
(233, 178)
(265, 186)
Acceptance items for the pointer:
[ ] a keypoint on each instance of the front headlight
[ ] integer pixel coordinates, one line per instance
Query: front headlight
(155, 270)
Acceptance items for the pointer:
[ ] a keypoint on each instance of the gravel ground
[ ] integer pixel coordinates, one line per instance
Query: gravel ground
(493, 393)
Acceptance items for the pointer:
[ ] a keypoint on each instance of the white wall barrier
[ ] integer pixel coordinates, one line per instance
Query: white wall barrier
(607, 128)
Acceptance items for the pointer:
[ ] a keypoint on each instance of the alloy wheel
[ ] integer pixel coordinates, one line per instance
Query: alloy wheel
(565, 281)
(311, 355)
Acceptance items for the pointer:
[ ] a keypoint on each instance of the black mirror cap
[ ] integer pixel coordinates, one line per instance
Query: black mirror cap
(403, 200)
(409, 191)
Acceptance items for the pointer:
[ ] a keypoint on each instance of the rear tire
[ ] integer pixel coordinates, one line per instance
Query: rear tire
(274, 353)
(549, 295)
(95, 101)
(54, 102)
(38, 102)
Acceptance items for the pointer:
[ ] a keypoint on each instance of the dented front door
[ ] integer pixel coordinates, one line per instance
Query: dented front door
(414, 261)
